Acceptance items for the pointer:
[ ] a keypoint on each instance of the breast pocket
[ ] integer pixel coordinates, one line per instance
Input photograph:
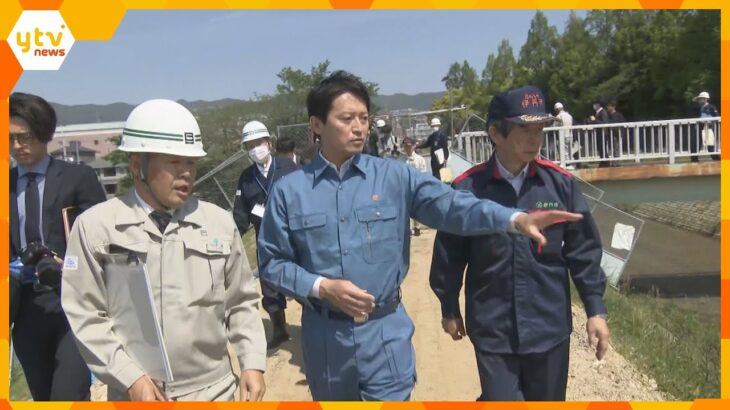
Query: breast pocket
(379, 232)
(123, 264)
(118, 253)
(205, 271)
(308, 229)
(552, 251)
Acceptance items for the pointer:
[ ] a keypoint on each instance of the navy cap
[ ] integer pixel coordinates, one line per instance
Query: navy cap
(524, 105)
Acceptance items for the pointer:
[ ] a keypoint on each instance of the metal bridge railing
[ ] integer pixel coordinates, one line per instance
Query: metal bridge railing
(629, 142)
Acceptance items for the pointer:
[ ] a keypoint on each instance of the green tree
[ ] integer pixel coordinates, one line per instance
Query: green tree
(497, 76)
(291, 93)
(572, 80)
(462, 81)
(700, 38)
(289, 104)
(537, 55)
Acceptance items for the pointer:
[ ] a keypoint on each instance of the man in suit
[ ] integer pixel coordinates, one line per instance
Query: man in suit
(40, 187)
(254, 186)
(601, 117)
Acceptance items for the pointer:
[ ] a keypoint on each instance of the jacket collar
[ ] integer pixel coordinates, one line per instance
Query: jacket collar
(492, 170)
(134, 214)
(320, 164)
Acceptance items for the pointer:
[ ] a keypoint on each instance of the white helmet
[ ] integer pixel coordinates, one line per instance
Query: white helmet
(435, 121)
(163, 127)
(558, 106)
(703, 94)
(380, 123)
(254, 130)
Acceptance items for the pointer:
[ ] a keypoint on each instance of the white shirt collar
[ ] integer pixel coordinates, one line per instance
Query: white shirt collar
(508, 175)
(343, 168)
(515, 180)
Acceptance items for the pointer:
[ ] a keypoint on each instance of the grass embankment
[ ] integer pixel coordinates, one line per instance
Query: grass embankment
(679, 348)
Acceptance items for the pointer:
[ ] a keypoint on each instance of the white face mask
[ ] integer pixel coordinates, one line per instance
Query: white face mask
(259, 154)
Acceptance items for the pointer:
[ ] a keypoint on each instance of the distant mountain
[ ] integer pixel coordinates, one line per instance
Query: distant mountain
(419, 102)
(88, 113)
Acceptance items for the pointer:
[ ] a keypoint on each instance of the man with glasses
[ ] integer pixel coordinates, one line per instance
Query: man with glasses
(40, 187)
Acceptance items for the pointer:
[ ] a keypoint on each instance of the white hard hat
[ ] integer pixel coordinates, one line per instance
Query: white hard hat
(163, 127)
(558, 106)
(435, 121)
(380, 123)
(254, 130)
(703, 94)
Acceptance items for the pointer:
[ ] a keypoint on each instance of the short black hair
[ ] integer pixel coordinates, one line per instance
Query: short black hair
(285, 145)
(319, 100)
(37, 112)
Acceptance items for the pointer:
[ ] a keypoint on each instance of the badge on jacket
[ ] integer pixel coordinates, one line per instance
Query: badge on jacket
(215, 246)
(258, 210)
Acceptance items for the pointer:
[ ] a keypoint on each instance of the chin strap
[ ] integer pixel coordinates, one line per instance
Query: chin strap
(144, 164)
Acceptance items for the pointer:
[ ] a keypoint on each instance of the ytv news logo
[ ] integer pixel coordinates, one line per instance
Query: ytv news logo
(40, 40)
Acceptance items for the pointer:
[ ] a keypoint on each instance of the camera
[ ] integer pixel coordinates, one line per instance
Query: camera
(47, 269)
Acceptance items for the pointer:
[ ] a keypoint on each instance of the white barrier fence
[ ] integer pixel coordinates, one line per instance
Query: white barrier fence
(614, 143)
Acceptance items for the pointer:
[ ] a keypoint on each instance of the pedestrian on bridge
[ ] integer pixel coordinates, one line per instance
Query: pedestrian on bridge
(335, 236)
(564, 119)
(518, 309)
(709, 136)
(618, 138)
(601, 117)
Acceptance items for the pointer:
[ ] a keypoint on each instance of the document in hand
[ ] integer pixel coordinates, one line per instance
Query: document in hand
(440, 155)
(132, 310)
(446, 175)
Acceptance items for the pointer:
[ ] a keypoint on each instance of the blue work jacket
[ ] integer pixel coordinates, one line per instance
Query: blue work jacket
(357, 227)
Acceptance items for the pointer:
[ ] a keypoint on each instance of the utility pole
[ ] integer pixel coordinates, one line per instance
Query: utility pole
(448, 80)
(451, 116)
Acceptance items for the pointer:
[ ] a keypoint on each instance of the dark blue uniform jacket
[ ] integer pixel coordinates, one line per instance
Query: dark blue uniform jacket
(253, 188)
(518, 293)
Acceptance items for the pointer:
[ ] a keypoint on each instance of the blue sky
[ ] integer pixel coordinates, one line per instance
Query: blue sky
(208, 55)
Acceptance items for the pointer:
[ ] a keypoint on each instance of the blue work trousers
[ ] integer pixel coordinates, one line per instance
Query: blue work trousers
(372, 361)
